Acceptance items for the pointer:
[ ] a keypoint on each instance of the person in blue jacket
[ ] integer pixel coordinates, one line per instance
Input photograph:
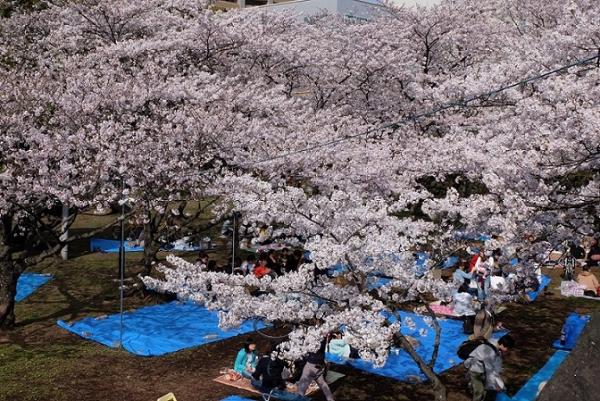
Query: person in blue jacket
(246, 359)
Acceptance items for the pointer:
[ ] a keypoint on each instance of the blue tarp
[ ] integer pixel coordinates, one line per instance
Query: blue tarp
(112, 246)
(236, 398)
(572, 328)
(544, 281)
(28, 283)
(159, 329)
(400, 365)
(472, 236)
(530, 390)
(374, 283)
(420, 266)
(450, 262)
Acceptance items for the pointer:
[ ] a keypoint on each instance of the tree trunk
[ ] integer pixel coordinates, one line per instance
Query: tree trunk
(151, 247)
(9, 274)
(438, 387)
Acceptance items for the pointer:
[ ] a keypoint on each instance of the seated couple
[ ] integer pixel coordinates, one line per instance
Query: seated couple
(269, 374)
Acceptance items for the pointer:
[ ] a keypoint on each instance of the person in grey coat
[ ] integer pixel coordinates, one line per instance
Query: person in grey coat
(485, 368)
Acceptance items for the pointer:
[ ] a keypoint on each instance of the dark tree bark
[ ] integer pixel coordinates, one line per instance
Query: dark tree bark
(439, 389)
(9, 275)
(24, 245)
(151, 244)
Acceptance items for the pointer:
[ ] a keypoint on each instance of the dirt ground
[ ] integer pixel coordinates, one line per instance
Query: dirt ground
(40, 361)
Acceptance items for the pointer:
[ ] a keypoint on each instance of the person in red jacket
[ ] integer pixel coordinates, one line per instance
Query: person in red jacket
(478, 257)
(261, 269)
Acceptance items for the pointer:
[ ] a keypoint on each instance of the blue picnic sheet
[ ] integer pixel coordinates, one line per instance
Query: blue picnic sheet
(470, 236)
(236, 398)
(28, 283)
(530, 389)
(420, 266)
(158, 329)
(544, 281)
(112, 246)
(400, 365)
(573, 328)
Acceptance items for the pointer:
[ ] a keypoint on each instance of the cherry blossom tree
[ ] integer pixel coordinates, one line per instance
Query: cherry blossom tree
(364, 141)
(472, 164)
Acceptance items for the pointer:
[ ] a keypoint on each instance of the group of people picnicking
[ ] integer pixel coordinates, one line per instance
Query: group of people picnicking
(575, 255)
(476, 278)
(268, 263)
(270, 374)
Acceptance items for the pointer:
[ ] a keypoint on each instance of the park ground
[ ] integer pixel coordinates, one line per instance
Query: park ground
(40, 361)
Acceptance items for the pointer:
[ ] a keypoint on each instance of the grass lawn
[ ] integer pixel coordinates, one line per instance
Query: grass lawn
(39, 361)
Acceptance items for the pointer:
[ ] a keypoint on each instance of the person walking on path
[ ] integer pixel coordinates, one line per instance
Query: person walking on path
(314, 369)
(485, 367)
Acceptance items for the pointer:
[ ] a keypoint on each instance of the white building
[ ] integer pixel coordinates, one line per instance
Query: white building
(359, 9)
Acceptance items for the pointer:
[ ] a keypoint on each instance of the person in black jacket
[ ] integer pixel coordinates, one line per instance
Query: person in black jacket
(314, 369)
(593, 256)
(268, 378)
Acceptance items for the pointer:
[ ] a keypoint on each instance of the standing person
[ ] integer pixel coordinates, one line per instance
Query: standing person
(460, 276)
(314, 369)
(475, 259)
(481, 271)
(246, 359)
(485, 367)
(463, 307)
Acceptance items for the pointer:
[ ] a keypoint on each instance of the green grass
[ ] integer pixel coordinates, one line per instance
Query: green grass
(43, 362)
(30, 374)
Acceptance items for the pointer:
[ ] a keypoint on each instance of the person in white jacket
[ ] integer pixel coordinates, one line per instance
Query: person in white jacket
(485, 368)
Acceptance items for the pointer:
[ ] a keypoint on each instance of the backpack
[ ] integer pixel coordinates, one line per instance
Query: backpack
(468, 346)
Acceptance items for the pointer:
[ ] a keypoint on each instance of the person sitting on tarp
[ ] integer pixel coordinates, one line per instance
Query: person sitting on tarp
(339, 347)
(576, 251)
(261, 269)
(593, 256)
(589, 280)
(247, 265)
(268, 377)
(246, 359)
(202, 260)
(485, 367)
(273, 262)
